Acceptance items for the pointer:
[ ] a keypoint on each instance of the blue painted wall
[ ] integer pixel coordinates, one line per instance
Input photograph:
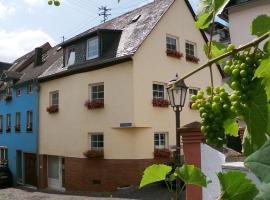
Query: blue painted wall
(23, 140)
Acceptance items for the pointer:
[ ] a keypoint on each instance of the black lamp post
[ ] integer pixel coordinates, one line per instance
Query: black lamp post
(177, 96)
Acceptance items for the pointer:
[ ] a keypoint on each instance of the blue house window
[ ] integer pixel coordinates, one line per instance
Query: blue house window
(29, 89)
(8, 123)
(18, 122)
(29, 121)
(1, 123)
(18, 92)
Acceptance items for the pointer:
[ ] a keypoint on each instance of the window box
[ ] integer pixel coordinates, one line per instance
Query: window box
(8, 129)
(162, 153)
(192, 59)
(17, 128)
(94, 104)
(160, 102)
(8, 98)
(94, 154)
(53, 109)
(174, 53)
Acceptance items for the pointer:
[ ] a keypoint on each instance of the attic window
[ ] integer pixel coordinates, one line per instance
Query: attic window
(92, 48)
(136, 18)
(70, 57)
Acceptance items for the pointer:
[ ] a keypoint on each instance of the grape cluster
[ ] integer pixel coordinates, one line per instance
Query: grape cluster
(241, 70)
(214, 110)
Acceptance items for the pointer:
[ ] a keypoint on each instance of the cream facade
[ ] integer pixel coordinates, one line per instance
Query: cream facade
(127, 97)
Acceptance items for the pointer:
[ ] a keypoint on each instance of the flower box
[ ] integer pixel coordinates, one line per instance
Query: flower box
(94, 104)
(8, 98)
(17, 128)
(160, 103)
(174, 54)
(192, 59)
(94, 154)
(53, 109)
(162, 153)
(8, 129)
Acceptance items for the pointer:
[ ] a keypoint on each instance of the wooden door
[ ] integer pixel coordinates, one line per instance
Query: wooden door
(30, 169)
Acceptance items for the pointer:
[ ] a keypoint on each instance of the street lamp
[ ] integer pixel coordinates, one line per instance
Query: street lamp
(177, 95)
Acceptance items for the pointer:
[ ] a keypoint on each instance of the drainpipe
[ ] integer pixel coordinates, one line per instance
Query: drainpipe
(37, 131)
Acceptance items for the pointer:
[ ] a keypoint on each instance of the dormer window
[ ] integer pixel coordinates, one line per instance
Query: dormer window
(70, 57)
(92, 48)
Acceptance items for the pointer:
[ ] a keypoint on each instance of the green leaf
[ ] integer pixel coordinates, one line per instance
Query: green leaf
(235, 186)
(191, 175)
(204, 20)
(217, 49)
(264, 193)
(220, 5)
(259, 163)
(266, 47)
(264, 69)
(231, 127)
(247, 143)
(257, 116)
(260, 25)
(154, 174)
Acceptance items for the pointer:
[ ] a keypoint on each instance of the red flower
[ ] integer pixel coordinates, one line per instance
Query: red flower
(162, 153)
(173, 53)
(94, 154)
(94, 104)
(53, 109)
(160, 102)
(192, 59)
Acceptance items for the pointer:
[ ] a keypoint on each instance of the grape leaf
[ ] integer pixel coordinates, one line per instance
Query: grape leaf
(154, 174)
(259, 163)
(260, 25)
(256, 116)
(247, 143)
(191, 175)
(266, 47)
(231, 127)
(235, 186)
(217, 49)
(220, 5)
(264, 193)
(204, 20)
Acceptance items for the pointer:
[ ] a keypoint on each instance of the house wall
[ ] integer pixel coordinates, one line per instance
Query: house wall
(23, 140)
(241, 17)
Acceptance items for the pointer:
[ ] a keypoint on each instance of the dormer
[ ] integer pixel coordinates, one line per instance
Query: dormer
(93, 47)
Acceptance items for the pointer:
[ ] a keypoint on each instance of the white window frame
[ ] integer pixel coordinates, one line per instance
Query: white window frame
(164, 90)
(1, 122)
(87, 48)
(30, 89)
(18, 92)
(29, 118)
(8, 120)
(91, 91)
(191, 94)
(195, 48)
(90, 135)
(51, 98)
(166, 138)
(69, 51)
(18, 119)
(175, 38)
(3, 153)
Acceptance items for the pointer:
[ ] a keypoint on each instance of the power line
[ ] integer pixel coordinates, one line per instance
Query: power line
(104, 12)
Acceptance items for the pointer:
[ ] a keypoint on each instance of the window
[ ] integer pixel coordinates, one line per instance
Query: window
(96, 141)
(160, 140)
(71, 55)
(3, 153)
(92, 48)
(29, 120)
(191, 49)
(54, 98)
(1, 123)
(97, 92)
(8, 91)
(158, 91)
(18, 92)
(8, 123)
(18, 122)
(29, 89)
(193, 91)
(172, 43)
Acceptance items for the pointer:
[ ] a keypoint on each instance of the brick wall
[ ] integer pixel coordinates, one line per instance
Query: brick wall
(104, 175)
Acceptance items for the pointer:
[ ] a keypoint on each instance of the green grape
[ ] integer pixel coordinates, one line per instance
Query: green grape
(235, 72)
(231, 47)
(194, 97)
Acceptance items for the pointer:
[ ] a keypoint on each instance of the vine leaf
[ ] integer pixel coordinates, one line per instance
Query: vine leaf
(231, 127)
(217, 49)
(259, 163)
(256, 117)
(266, 47)
(260, 25)
(235, 186)
(204, 20)
(191, 175)
(154, 174)
(264, 193)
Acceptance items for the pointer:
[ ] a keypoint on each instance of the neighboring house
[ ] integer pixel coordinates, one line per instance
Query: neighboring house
(19, 113)
(4, 66)
(220, 33)
(103, 108)
(240, 14)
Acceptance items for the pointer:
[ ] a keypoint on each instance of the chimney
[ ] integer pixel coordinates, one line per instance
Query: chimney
(38, 56)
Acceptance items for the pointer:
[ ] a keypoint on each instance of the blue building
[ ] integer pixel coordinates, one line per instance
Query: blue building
(19, 97)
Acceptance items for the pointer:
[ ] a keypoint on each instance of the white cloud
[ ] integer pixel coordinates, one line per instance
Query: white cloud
(17, 43)
(6, 10)
(35, 3)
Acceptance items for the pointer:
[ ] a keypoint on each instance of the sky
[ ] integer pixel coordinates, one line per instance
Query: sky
(26, 24)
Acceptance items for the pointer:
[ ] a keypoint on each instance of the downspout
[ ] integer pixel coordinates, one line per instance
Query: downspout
(37, 132)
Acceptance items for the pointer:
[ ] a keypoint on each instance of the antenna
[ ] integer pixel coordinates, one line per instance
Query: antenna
(104, 12)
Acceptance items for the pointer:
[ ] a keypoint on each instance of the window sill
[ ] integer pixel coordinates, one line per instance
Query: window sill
(95, 104)
(53, 109)
(94, 154)
(162, 153)
(163, 103)
(192, 59)
(174, 54)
